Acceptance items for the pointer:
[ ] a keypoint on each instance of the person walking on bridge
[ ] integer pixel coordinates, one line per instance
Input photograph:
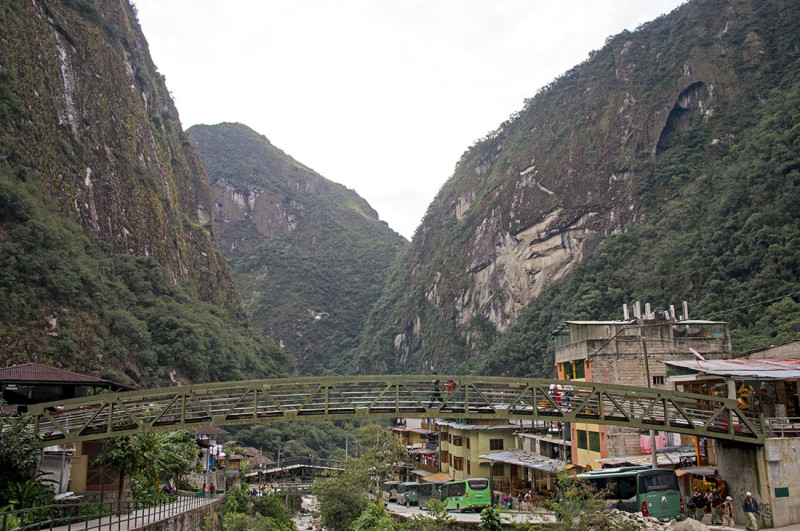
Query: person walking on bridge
(750, 507)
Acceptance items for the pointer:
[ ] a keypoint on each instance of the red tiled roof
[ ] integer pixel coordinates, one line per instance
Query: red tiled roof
(36, 372)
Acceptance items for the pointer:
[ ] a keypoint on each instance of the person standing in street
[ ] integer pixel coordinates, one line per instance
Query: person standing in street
(727, 512)
(716, 508)
(750, 508)
(699, 503)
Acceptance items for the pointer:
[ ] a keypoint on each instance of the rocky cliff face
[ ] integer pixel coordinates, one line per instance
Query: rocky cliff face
(535, 197)
(108, 261)
(309, 255)
(99, 131)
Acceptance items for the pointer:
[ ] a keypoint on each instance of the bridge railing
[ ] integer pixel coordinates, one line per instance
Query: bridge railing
(96, 515)
(112, 414)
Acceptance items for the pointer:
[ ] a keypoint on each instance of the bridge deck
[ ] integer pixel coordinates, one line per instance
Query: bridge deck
(468, 397)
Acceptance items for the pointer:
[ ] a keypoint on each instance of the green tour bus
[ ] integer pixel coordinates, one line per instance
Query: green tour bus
(466, 494)
(407, 493)
(638, 489)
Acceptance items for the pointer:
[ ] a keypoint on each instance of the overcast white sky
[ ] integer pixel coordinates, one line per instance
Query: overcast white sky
(382, 96)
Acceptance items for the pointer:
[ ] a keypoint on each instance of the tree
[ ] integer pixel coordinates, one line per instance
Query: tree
(375, 517)
(490, 520)
(436, 519)
(123, 454)
(341, 499)
(577, 504)
(380, 453)
(19, 447)
(150, 457)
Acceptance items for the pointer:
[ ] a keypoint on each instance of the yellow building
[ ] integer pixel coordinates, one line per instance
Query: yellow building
(462, 444)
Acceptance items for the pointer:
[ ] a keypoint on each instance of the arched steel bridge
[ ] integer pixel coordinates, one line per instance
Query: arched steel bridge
(361, 397)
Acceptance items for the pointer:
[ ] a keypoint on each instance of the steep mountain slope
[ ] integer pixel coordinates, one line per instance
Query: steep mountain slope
(95, 170)
(663, 168)
(308, 255)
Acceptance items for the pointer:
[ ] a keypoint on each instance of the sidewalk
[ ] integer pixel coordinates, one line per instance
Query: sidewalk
(139, 518)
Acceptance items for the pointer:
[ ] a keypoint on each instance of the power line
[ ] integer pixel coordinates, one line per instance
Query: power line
(776, 299)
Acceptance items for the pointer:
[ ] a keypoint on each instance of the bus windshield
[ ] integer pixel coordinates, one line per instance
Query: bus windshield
(659, 482)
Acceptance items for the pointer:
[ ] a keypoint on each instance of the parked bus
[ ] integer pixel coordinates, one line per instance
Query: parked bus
(637, 489)
(427, 492)
(390, 491)
(407, 493)
(466, 494)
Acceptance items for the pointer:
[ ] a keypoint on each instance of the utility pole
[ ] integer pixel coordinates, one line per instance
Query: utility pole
(653, 458)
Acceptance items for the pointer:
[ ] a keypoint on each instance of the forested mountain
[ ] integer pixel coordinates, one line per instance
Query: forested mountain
(309, 256)
(664, 168)
(108, 262)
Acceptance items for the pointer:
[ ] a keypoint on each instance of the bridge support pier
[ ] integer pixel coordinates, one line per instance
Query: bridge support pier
(769, 472)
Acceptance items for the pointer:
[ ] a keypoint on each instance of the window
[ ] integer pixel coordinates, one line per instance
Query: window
(478, 484)
(582, 440)
(495, 444)
(445, 456)
(457, 440)
(498, 469)
(467, 439)
(458, 463)
(658, 380)
(594, 441)
(580, 370)
(469, 467)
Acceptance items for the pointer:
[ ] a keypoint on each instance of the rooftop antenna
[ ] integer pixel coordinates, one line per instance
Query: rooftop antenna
(637, 310)
(625, 313)
(672, 311)
(685, 311)
(647, 311)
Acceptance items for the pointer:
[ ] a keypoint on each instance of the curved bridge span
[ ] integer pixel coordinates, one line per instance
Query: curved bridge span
(363, 397)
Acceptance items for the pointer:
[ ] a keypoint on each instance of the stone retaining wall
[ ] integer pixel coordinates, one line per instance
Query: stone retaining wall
(192, 520)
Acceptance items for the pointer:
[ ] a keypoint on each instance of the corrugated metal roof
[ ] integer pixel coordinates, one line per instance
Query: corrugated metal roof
(663, 457)
(211, 430)
(787, 368)
(36, 372)
(539, 462)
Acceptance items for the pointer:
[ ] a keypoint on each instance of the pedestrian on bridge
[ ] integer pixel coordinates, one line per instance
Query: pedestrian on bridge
(750, 507)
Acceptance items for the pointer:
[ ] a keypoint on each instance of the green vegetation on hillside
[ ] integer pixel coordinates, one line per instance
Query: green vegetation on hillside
(697, 204)
(311, 274)
(65, 300)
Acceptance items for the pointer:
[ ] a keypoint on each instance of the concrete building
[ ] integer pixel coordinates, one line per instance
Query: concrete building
(767, 389)
(630, 352)
(463, 444)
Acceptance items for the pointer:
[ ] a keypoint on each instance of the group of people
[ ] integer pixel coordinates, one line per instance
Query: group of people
(212, 491)
(721, 510)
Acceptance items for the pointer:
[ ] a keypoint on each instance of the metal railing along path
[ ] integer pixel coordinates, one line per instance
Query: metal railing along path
(116, 516)
(467, 397)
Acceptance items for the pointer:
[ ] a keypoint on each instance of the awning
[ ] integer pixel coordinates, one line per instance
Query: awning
(697, 471)
(439, 476)
(421, 473)
(536, 461)
(422, 451)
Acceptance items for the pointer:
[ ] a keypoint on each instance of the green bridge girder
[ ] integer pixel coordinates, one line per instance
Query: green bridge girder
(393, 396)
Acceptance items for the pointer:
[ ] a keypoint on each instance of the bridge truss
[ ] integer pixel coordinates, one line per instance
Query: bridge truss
(396, 396)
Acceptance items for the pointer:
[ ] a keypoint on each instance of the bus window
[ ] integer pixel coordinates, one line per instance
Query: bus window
(478, 484)
(659, 482)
